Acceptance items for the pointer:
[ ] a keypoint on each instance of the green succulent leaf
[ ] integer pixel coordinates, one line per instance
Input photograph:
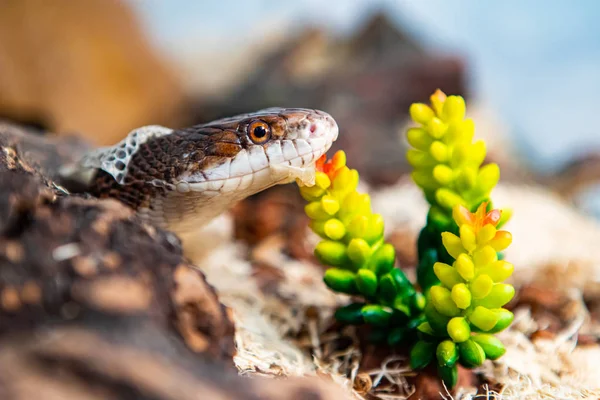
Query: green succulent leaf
(383, 259)
(350, 314)
(437, 321)
(471, 354)
(426, 328)
(418, 302)
(505, 318)
(377, 315)
(341, 280)
(387, 288)
(446, 353)
(491, 345)
(425, 275)
(366, 282)
(421, 354)
(332, 253)
(359, 251)
(400, 279)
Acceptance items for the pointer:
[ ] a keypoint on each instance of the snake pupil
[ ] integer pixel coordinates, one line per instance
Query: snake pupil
(260, 132)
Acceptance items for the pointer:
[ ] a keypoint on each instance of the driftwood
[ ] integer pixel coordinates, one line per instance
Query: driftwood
(94, 304)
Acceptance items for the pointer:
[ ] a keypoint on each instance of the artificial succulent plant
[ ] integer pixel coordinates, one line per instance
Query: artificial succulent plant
(448, 167)
(456, 310)
(361, 262)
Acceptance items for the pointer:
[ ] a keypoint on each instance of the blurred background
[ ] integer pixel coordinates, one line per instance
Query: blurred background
(529, 71)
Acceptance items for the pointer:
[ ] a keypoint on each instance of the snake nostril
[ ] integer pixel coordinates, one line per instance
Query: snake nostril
(313, 127)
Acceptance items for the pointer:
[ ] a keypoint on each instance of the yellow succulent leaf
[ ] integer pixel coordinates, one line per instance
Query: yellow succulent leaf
(442, 301)
(481, 286)
(466, 179)
(447, 275)
(322, 180)
(477, 153)
(465, 267)
(501, 240)
(318, 227)
(421, 113)
(498, 271)
(448, 198)
(436, 128)
(314, 210)
(483, 318)
(458, 329)
(357, 227)
(454, 108)
(462, 215)
(485, 256)
(443, 174)
(334, 229)
(488, 178)
(419, 139)
(330, 204)
(419, 159)
(439, 151)
(424, 179)
(311, 193)
(485, 234)
(343, 179)
(461, 296)
(468, 237)
(453, 244)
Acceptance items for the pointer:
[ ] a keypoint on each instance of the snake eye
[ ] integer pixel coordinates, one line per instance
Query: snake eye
(259, 132)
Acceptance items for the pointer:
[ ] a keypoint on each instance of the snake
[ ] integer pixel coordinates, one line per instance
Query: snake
(181, 179)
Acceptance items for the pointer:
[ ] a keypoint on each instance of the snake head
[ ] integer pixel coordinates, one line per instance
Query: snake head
(251, 152)
(248, 153)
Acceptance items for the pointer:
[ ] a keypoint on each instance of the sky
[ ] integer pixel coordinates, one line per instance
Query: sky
(537, 63)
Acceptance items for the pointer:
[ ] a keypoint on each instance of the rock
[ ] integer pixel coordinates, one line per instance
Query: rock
(29, 152)
(63, 69)
(75, 363)
(87, 262)
(95, 304)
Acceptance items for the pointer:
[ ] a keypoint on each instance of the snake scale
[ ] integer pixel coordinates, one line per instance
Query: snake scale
(179, 179)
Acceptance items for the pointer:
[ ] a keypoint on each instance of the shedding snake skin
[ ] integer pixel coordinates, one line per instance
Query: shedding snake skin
(180, 179)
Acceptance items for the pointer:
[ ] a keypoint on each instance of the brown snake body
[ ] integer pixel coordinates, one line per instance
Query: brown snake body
(180, 179)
